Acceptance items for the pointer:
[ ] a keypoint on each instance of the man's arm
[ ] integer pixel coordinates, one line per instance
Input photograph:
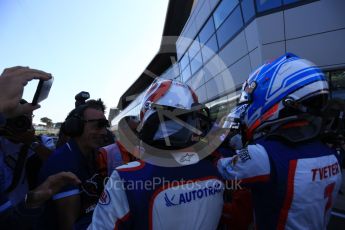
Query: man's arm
(112, 209)
(68, 211)
(67, 203)
(26, 211)
(52, 185)
(250, 165)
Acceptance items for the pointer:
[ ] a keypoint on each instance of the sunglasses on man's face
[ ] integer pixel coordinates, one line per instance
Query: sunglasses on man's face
(101, 123)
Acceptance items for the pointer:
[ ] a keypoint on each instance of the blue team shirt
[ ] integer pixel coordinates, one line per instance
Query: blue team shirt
(70, 159)
(13, 212)
(5, 203)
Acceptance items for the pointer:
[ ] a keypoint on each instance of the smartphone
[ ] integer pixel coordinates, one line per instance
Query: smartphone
(42, 91)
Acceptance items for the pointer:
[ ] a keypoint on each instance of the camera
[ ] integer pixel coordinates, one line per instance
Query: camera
(80, 98)
(19, 124)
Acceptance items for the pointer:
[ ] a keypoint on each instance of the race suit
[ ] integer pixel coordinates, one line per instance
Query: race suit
(293, 186)
(140, 195)
(108, 158)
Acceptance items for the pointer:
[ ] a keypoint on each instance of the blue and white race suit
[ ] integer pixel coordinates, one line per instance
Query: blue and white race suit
(293, 186)
(140, 195)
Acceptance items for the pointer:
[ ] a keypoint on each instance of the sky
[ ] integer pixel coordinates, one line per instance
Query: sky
(97, 46)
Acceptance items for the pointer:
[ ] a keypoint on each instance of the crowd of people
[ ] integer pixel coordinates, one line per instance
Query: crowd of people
(281, 149)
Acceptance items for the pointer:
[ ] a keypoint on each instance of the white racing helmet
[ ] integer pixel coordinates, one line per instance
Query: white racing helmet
(170, 115)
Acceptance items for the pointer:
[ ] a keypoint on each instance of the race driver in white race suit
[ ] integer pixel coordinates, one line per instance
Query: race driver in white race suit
(173, 188)
(294, 177)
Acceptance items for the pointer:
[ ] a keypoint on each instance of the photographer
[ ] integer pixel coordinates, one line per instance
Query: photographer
(18, 205)
(22, 155)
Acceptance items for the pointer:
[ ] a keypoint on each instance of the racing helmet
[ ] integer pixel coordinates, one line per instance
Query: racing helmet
(170, 115)
(277, 92)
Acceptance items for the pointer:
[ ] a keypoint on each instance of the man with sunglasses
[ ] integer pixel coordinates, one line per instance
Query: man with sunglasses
(73, 206)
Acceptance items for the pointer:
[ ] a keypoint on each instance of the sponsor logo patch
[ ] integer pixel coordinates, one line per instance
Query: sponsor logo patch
(186, 157)
(190, 196)
(104, 199)
(244, 155)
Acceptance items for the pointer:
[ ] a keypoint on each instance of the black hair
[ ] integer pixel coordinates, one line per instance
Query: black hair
(74, 124)
(96, 104)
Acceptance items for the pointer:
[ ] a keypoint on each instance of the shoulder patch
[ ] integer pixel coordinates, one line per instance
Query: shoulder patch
(104, 198)
(244, 155)
(131, 166)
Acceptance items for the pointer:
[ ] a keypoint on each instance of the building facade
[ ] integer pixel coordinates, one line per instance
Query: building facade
(220, 42)
(213, 45)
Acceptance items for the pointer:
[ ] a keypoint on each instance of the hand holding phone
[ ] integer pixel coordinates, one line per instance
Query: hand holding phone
(42, 91)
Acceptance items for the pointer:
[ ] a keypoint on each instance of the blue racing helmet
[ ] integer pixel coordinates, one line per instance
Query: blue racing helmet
(279, 90)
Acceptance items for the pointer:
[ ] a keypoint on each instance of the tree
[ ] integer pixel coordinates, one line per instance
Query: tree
(47, 121)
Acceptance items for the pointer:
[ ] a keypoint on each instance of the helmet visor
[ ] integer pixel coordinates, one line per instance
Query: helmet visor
(246, 93)
(173, 127)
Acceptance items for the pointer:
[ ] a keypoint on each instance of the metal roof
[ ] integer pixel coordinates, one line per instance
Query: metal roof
(177, 14)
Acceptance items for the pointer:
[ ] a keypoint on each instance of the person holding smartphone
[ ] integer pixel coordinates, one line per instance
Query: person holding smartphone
(12, 82)
(21, 214)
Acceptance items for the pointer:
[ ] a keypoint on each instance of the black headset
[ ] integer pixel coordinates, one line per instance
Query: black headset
(74, 124)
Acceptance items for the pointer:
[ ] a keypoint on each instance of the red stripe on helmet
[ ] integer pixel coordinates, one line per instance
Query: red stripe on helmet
(160, 91)
(157, 92)
(195, 97)
(295, 124)
(152, 88)
(264, 117)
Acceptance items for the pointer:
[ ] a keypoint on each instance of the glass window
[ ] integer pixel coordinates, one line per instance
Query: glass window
(184, 62)
(186, 74)
(290, 1)
(223, 10)
(248, 9)
(337, 84)
(196, 63)
(207, 31)
(263, 5)
(194, 48)
(231, 25)
(178, 78)
(209, 49)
